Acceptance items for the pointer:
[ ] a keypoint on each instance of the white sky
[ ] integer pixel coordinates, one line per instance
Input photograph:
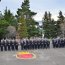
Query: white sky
(39, 6)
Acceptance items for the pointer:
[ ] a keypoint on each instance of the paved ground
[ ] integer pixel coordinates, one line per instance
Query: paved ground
(43, 57)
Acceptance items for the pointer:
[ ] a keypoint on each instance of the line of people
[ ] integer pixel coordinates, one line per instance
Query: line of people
(58, 43)
(8, 45)
(34, 44)
(25, 44)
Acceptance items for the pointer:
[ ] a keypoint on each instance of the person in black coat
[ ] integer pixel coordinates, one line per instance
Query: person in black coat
(54, 43)
(8, 45)
(5, 45)
(16, 45)
(22, 45)
(2, 47)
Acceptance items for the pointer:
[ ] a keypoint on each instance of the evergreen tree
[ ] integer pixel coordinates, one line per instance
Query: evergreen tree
(49, 16)
(27, 15)
(49, 26)
(22, 29)
(10, 18)
(61, 23)
(45, 16)
(3, 26)
(61, 18)
(45, 24)
(8, 15)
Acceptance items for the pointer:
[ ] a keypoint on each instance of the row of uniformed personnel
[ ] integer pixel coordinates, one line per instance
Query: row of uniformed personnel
(34, 44)
(58, 43)
(8, 45)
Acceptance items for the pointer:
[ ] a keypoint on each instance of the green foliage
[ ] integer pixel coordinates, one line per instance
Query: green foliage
(22, 28)
(27, 23)
(3, 23)
(50, 27)
(61, 18)
(3, 32)
(31, 25)
(8, 16)
(3, 26)
(61, 23)
(27, 26)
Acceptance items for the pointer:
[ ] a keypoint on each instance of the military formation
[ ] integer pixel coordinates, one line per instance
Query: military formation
(34, 44)
(24, 44)
(58, 43)
(28, 44)
(8, 45)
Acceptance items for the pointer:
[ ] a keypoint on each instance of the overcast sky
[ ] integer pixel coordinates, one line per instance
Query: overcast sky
(39, 6)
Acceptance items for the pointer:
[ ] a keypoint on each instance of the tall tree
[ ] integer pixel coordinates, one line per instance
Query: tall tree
(22, 29)
(27, 14)
(49, 16)
(61, 23)
(61, 17)
(49, 26)
(3, 26)
(45, 16)
(9, 17)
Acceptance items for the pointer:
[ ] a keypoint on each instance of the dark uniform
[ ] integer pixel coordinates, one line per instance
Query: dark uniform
(22, 45)
(2, 48)
(64, 42)
(5, 45)
(32, 44)
(12, 45)
(54, 43)
(9, 45)
(16, 45)
(28, 42)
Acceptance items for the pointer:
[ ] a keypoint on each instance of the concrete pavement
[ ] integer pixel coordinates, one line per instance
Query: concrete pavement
(43, 57)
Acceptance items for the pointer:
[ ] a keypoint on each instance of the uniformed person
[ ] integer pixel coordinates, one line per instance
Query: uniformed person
(12, 45)
(22, 45)
(54, 43)
(45, 45)
(5, 44)
(64, 42)
(59, 42)
(9, 45)
(30, 44)
(16, 45)
(33, 44)
(2, 48)
(27, 44)
(41, 44)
